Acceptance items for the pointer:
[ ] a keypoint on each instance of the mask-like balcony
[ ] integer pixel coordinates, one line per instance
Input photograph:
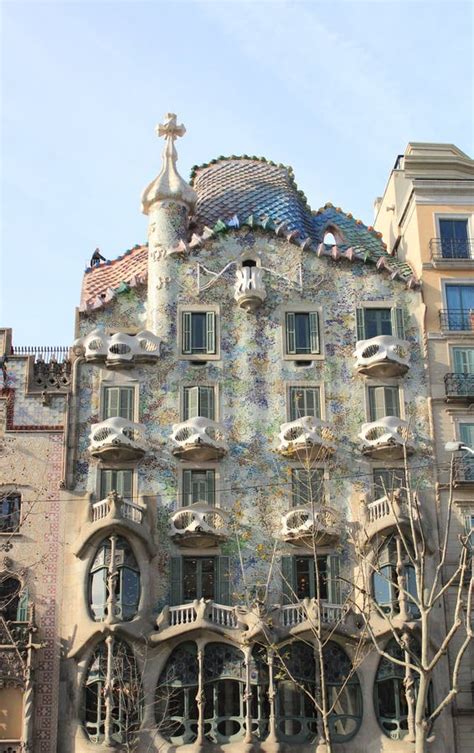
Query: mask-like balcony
(306, 438)
(390, 512)
(117, 439)
(386, 439)
(382, 356)
(199, 525)
(120, 349)
(198, 439)
(301, 525)
(249, 288)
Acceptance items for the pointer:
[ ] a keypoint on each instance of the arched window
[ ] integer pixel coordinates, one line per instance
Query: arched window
(389, 694)
(126, 581)
(176, 708)
(295, 709)
(385, 580)
(127, 693)
(10, 590)
(224, 686)
(329, 239)
(260, 707)
(343, 692)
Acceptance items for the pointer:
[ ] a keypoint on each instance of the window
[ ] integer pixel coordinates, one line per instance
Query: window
(304, 401)
(299, 578)
(383, 401)
(198, 486)
(10, 509)
(126, 694)
(343, 693)
(10, 599)
(119, 401)
(176, 705)
(307, 487)
(119, 481)
(126, 581)
(199, 332)
(463, 360)
(389, 480)
(302, 333)
(454, 238)
(372, 322)
(11, 714)
(200, 578)
(296, 713)
(385, 580)
(198, 401)
(466, 461)
(460, 303)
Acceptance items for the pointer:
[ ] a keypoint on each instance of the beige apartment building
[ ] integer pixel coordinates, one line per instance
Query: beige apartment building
(426, 216)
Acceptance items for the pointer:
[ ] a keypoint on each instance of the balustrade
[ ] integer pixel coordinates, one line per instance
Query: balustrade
(115, 506)
(382, 356)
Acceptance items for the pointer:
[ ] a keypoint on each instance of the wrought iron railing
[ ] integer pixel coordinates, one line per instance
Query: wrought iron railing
(464, 469)
(451, 250)
(457, 319)
(459, 385)
(46, 353)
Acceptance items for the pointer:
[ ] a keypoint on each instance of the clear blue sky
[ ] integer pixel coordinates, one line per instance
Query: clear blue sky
(334, 89)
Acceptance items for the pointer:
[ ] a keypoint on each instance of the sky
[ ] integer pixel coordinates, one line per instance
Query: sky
(334, 89)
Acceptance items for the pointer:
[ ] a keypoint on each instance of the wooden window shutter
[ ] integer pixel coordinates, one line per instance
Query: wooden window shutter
(223, 580)
(376, 403)
(111, 402)
(392, 401)
(191, 402)
(124, 482)
(314, 331)
(126, 402)
(334, 582)
(206, 402)
(22, 609)
(210, 332)
(398, 325)
(176, 581)
(187, 491)
(288, 579)
(290, 333)
(360, 319)
(211, 490)
(187, 340)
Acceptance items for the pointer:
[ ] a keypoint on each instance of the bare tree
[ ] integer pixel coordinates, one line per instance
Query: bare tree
(413, 574)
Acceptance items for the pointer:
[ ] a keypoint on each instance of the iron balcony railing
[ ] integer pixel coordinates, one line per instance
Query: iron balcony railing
(457, 320)
(459, 386)
(464, 469)
(451, 250)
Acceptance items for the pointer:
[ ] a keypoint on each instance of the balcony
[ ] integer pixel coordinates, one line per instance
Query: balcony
(452, 252)
(382, 356)
(198, 439)
(457, 320)
(294, 615)
(197, 614)
(389, 512)
(116, 507)
(307, 438)
(117, 439)
(118, 350)
(249, 288)
(459, 387)
(301, 525)
(199, 525)
(464, 470)
(386, 439)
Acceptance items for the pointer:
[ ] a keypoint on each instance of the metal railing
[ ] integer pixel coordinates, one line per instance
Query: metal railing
(451, 250)
(459, 385)
(464, 469)
(46, 353)
(457, 320)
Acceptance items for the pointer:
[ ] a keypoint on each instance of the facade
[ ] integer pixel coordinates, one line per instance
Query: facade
(246, 397)
(427, 217)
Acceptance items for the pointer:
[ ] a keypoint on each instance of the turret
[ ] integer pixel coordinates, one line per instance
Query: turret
(167, 201)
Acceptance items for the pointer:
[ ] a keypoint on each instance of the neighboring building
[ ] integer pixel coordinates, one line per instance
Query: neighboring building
(208, 362)
(32, 418)
(426, 216)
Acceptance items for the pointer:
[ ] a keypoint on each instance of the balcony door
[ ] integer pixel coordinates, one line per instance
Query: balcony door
(460, 301)
(454, 239)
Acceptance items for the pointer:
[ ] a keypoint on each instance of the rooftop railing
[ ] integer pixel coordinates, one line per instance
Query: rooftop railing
(452, 250)
(46, 353)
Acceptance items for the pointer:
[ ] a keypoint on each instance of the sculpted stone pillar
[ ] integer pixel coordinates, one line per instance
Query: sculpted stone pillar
(200, 697)
(272, 734)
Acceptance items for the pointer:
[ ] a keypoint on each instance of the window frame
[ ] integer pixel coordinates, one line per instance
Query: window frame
(13, 493)
(397, 312)
(116, 468)
(198, 308)
(105, 386)
(469, 216)
(201, 467)
(302, 308)
(393, 383)
(305, 385)
(318, 469)
(182, 398)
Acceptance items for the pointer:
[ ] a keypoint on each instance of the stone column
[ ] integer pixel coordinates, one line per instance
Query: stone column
(272, 732)
(200, 697)
(111, 579)
(108, 692)
(248, 696)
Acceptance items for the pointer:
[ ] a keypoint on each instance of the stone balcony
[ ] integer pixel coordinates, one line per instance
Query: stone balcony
(199, 525)
(242, 623)
(386, 439)
(390, 512)
(301, 525)
(307, 438)
(198, 439)
(383, 356)
(120, 349)
(114, 506)
(249, 288)
(117, 439)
